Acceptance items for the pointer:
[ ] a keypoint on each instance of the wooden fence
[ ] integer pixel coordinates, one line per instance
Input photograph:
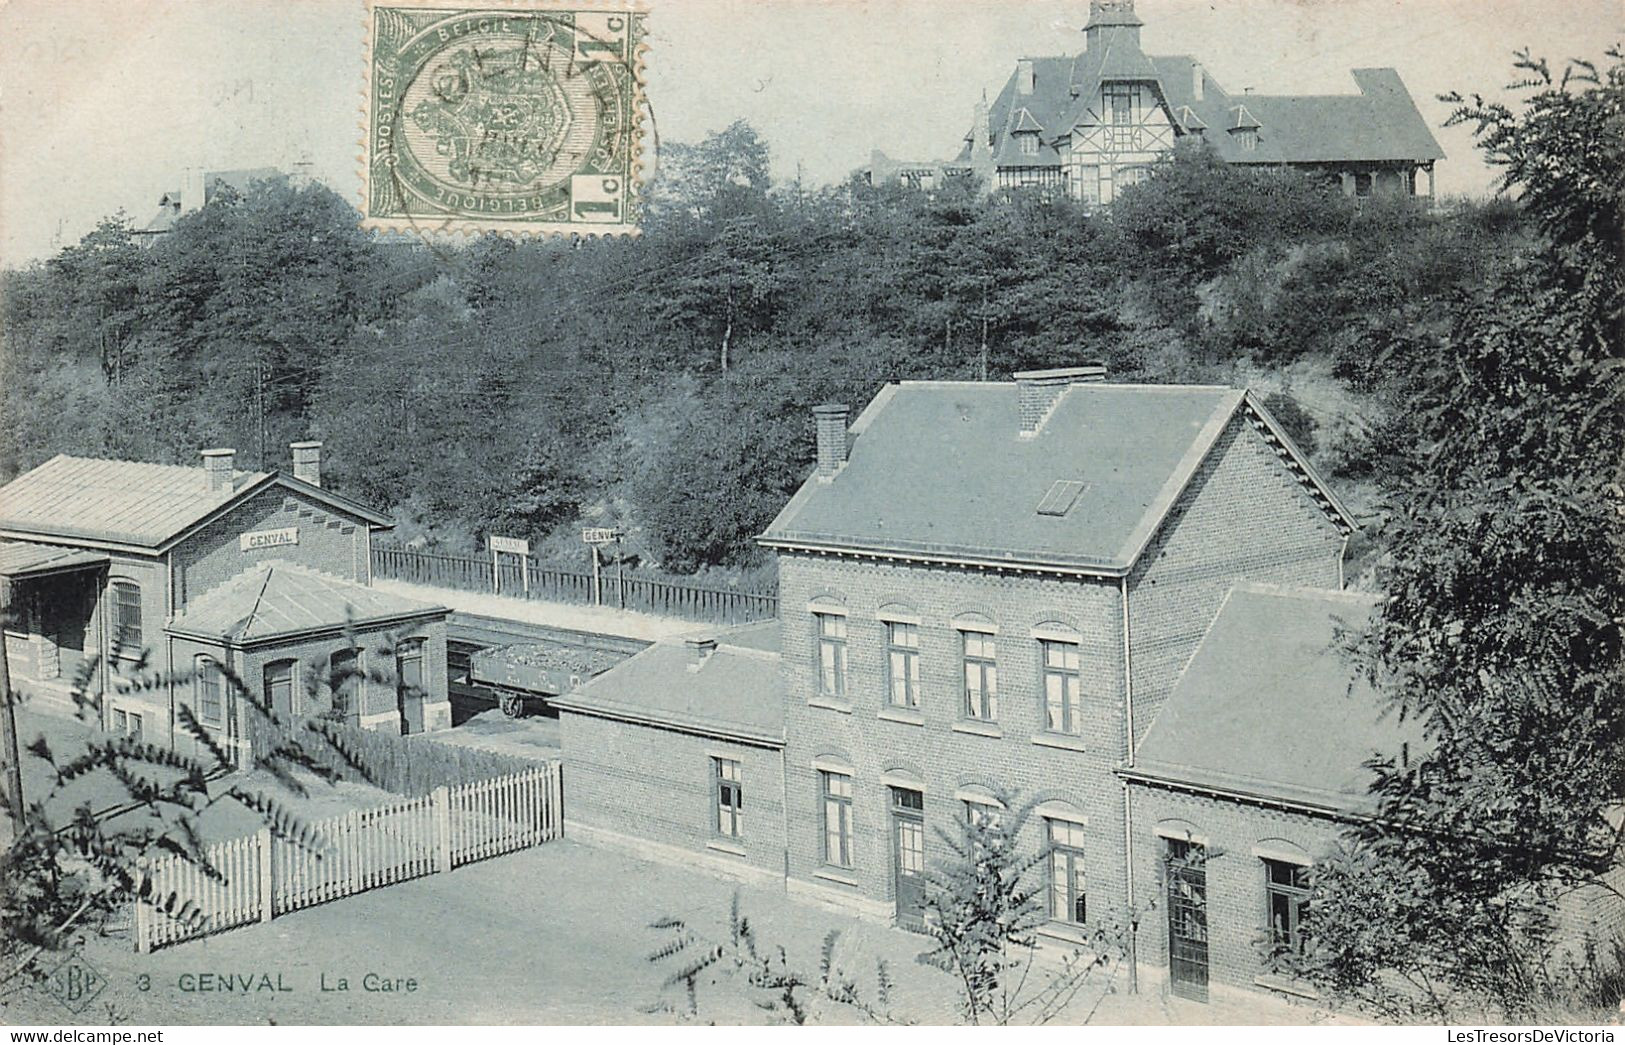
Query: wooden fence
(263, 876)
(530, 579)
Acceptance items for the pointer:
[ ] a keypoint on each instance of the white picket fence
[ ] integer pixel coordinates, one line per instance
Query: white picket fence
(262, 876)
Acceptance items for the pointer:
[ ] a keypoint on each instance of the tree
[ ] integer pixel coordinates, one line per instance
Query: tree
(72, 872)
(1501, 631)
(763, 975)
(984, 906)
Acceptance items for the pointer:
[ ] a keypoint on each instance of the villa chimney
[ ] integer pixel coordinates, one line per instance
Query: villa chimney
(1198, 81)
(1037, 392)
(219, 467)
(307, 462)
(1025, 80)
(699, 651)
(832, 445)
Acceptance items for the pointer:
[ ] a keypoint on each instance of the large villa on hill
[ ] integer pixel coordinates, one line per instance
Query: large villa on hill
(1094, 123)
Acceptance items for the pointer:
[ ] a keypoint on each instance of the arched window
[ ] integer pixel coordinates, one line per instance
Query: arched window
(208, 693)
(279, 688)
(348, 684)
(126, 600)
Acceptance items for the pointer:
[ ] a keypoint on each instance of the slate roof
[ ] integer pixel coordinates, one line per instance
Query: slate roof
(734, 693)
(21, 559)
(939, 468)
(1380, 123)
(1272, 706)
(277, 599)
(133, 502)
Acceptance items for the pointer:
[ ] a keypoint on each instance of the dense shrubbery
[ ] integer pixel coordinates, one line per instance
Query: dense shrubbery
(664, 383)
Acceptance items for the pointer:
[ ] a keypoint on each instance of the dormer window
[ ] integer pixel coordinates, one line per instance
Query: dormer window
(1244, 128)
(1026, 132)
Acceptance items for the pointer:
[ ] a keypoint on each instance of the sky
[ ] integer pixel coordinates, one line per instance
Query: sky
(104, 103)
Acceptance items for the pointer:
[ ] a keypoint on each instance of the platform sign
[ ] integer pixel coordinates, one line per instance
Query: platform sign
(501, 546)
(595, 536)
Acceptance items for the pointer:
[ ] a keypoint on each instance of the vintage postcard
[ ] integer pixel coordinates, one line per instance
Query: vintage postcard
(902, 513)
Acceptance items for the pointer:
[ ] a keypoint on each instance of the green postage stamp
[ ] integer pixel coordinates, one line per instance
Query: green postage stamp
(516, 117)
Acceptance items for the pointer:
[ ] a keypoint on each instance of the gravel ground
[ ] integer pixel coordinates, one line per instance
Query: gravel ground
(553, 935)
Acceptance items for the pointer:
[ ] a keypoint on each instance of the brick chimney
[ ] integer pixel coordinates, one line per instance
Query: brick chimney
(699, 651)
(1025, 76)
(219, 465)
(307, 462)
(832, 444)
(1037, 392)
(1198, 81)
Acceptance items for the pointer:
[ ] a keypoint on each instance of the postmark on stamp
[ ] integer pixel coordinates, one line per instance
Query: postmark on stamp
(516, 117)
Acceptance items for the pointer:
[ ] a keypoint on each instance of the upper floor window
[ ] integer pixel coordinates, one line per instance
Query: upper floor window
(981, 676)
(1062, 664)
(1286, 897)
(1248, 137)
(347, 682)
(903, 658)
(1029, 143)
(837, 791)
(831, 654)
(730, 797)
(1120, 103)
(208, 694)
(126, 618)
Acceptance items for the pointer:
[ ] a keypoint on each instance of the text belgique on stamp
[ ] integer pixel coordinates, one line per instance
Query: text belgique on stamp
(517, 117)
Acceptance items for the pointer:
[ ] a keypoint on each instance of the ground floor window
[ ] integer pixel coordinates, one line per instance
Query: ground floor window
(1067, 882)
(127, 722)
(837, 803)
(207, 690)
(730, 797)
(279, 688)
(1286, 897)
(345, 678)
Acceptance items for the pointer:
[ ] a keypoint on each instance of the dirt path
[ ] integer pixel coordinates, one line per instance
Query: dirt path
(554, 935)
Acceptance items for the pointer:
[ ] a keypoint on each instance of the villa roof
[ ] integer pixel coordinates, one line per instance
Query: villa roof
(1379, 123)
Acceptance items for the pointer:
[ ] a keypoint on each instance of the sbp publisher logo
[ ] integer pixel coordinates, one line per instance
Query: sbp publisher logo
(74, 984)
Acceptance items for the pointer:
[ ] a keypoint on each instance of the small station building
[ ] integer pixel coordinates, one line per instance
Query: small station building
(150, 583)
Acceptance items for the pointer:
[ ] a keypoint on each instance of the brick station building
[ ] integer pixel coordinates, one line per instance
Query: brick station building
(996, 586)
(115, 567)
(1123, 602)
(988, 586)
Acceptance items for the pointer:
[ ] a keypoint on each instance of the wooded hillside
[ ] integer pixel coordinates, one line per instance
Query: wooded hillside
(664, 382)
